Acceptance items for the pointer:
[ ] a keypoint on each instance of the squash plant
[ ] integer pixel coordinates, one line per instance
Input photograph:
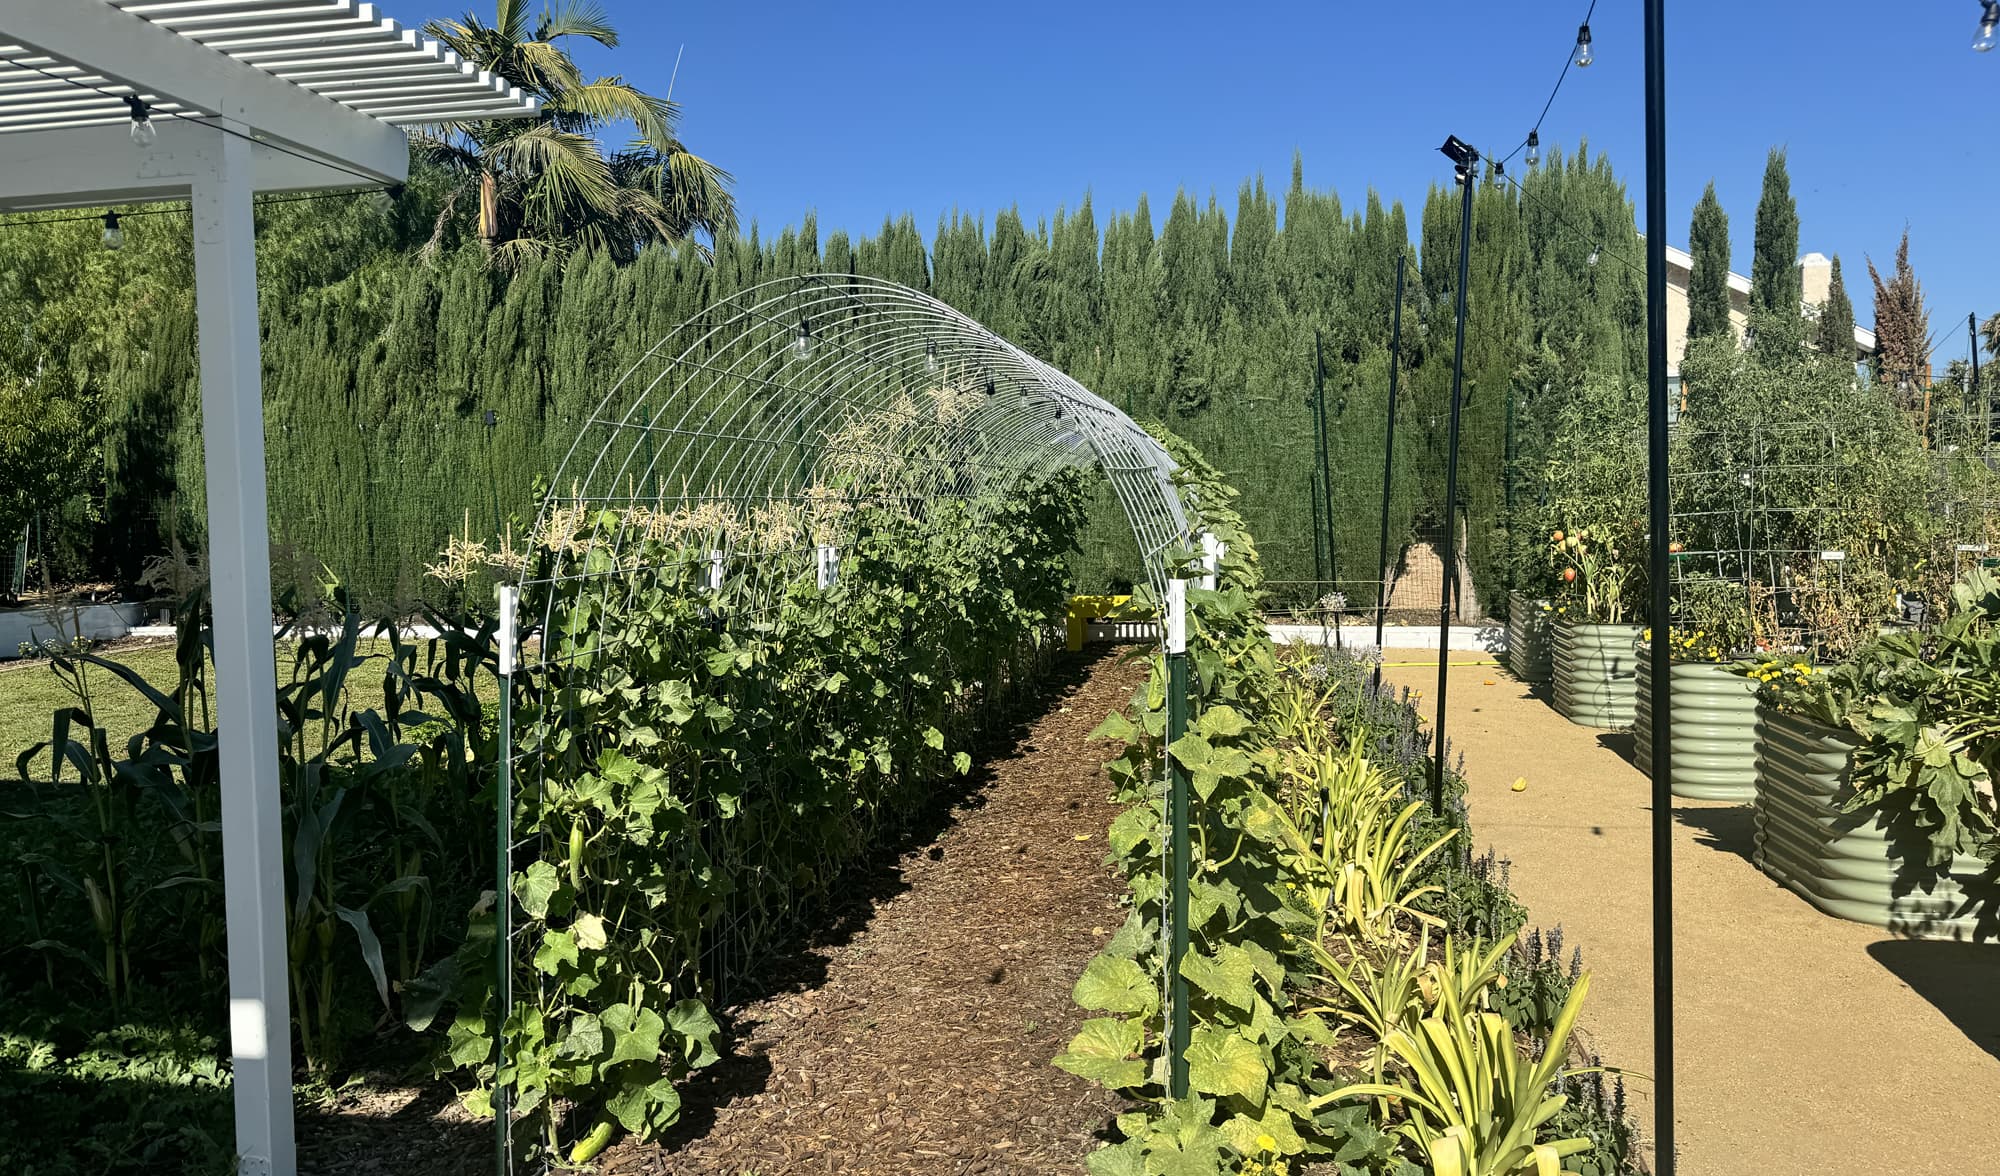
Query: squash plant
(696, 765)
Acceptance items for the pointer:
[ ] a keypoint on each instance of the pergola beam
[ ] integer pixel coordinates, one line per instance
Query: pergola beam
(46, 169)
(156, 61)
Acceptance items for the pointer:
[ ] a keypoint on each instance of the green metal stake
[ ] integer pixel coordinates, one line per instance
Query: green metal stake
(1178, 854)
(503, 846)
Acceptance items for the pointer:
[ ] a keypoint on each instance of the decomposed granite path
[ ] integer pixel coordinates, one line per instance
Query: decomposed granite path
(1805, 1045)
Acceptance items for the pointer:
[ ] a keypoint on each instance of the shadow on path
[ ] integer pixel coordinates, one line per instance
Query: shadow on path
(1732, 830)
(1959, 979)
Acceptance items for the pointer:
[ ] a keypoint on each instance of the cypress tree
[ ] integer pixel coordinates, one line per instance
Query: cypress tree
(1708, 279)
(1774, 267)
(1835, 335)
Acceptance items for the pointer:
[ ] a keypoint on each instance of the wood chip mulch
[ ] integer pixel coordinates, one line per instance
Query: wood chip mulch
(920, 1039)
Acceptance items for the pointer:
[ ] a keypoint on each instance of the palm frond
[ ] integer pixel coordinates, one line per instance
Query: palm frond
(577, 18)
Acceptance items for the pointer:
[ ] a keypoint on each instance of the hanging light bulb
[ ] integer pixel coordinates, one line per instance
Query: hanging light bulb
(1499, 171)
(1592, 259)
(1583, 57)
(930, 357)
(1534, 148)
(803, 345)
(144, 133)
(1989, 27)
(992, 388)
(114, 237)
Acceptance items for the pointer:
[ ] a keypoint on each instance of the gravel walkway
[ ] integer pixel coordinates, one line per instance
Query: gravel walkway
(1806, 1044)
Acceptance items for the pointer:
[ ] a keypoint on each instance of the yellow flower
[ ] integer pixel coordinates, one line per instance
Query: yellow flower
(1266, 1143)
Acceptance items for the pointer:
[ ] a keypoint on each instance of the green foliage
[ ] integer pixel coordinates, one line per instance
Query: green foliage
(1774, 264)
(1791, 460)
(545, 185)
(1708, 280)
(1593, 507)
(1930, 726)
(1320, 881)
(695, 767)
(1833, 335)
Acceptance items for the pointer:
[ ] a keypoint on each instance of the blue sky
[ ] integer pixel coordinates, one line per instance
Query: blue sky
(862, 110)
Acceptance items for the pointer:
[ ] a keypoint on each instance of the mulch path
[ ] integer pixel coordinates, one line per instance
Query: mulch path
(910, 1030)
(917, 1036)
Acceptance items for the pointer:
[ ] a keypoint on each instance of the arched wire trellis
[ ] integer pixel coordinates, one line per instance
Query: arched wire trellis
(754, 434)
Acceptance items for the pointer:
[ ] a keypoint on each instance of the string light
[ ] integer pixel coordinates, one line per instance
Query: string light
(114, 237)
(1534, 147)
(1591, 261)
(803, 345)
(1583, 56)
(1989, 27)
(930, 356)
(144, 133)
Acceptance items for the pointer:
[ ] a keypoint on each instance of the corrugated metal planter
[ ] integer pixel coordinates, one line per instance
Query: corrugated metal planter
(1714, 735)
(1596, 667)
(1842, 863)
(1528, 653)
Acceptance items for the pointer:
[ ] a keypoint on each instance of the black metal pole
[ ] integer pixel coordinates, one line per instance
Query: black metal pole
(1325, 466)
(1389, 465)
(1659, 506)
(1986, 405)
(1468, 173)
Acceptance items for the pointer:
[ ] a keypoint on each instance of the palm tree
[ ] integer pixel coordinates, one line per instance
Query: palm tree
(546, 184)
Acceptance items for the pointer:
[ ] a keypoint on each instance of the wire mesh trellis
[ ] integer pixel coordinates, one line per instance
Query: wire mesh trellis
(741, 463)
(1753, 560)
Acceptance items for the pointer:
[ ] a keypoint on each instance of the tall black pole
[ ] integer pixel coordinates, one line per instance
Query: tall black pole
(1321, 497)
(1325, 467)
(1659, 506)
(1468, 164)
(1389, 465)
(1985, 405)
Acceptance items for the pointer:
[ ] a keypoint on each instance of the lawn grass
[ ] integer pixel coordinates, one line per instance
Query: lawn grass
(32, 691)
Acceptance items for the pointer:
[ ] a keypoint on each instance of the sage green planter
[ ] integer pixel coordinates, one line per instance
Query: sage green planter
(1595, 671)
(1843, 863)
(1528, 653)
(1715, 731)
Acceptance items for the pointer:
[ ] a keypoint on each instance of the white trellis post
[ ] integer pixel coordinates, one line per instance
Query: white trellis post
(827, 559)
(1212, 550)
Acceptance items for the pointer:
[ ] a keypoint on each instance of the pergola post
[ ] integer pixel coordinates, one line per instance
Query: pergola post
(253, 859)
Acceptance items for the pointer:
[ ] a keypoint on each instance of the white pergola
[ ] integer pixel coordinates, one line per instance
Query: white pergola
(246, 96)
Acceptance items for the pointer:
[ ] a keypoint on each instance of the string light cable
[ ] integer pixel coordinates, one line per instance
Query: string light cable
(1580, 56)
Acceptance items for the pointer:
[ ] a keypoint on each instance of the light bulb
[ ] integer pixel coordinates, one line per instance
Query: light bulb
(930, 358)
(1989, 25)
(1592, 260)
(114, 237)
(803, 345)
(1583, 57)
(144, 133)
(1534, 148)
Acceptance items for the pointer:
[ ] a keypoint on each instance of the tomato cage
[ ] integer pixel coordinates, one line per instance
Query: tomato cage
(810, 480)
